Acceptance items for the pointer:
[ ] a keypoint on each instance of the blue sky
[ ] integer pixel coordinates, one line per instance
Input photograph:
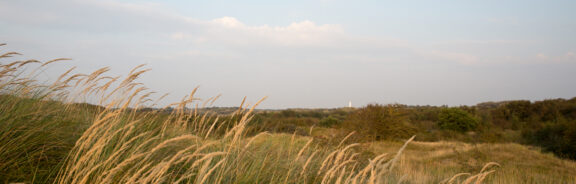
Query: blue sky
(315, 53)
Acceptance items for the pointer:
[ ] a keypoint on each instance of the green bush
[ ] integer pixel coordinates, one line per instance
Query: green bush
(457, 119)
(328, 121)
(377, 122)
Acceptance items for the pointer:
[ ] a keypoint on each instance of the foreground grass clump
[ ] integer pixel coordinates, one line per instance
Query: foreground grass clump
(35, 136)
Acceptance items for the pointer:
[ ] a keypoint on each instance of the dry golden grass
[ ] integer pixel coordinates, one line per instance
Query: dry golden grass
(432, 162)
(121, 144)
(124, 145)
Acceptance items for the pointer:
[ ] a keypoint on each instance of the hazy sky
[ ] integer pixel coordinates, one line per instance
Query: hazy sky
(313, 53)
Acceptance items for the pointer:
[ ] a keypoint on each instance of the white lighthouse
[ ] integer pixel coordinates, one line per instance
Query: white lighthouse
(350, 104)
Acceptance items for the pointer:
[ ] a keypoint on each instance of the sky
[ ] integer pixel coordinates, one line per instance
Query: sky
(313, 53)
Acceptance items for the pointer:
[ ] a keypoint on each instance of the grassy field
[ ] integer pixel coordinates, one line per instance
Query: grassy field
(430, 162)
(48, 136)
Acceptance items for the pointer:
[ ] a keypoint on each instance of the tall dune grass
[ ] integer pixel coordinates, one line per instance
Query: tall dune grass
(117, 142)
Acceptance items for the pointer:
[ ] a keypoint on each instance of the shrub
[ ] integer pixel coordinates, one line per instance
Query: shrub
(376, 122)
(559, 138)
(457, 119)
(328, 121)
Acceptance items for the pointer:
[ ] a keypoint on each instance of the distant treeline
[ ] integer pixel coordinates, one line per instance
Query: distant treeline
(549, 124)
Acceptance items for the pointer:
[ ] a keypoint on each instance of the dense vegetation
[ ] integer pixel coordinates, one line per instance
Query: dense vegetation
(550, 124)
(49, 135)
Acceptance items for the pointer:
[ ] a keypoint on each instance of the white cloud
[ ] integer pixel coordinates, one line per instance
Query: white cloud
(229, 30)
(116, 21)
(229, 22)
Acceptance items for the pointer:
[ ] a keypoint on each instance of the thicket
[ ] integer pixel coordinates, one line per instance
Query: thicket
(549, 124)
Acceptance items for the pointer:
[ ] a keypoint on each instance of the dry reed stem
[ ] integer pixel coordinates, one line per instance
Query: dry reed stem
(55, 60)
(28, 62)
(9, 54)
(453, 178)
(304, 148)
(345, 138)
(308, 162)
(489, 164)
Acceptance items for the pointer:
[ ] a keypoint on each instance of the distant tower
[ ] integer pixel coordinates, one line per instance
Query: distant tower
(350, 104)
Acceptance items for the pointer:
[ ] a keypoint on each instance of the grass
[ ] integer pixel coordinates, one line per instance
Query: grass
(432, 162)
(47, 136)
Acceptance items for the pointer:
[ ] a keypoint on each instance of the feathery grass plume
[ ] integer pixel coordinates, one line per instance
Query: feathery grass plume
(9, 54)
(55, 60)
(345, 138)
(65, 74)
(94, 75)
(453, 178)
(477, 178)
(28, 62)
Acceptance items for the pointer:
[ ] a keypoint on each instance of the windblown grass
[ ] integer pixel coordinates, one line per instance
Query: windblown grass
(46, 136)
(434, 162)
